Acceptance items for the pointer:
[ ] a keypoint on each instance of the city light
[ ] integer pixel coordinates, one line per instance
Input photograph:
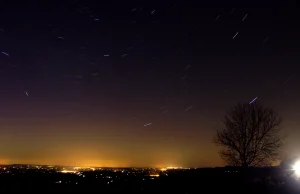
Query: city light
(154, 175)
(68, 171)
(172, 167)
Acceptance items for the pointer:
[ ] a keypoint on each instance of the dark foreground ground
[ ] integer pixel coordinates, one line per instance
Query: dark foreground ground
(221, 180)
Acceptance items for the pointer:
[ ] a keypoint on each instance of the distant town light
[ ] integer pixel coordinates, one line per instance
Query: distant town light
(68, 171)
(154, 175)
(172, 167)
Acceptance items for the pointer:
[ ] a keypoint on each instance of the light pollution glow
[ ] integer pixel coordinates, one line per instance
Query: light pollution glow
(83, 144)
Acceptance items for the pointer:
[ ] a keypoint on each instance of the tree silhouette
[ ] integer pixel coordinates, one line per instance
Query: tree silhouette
(250, 136)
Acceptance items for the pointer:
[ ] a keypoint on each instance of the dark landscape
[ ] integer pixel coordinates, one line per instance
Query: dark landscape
(54, 179)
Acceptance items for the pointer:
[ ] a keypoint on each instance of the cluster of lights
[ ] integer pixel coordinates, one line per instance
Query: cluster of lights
(171, 168)
(68, 171)
(154, 175)
(84, 168)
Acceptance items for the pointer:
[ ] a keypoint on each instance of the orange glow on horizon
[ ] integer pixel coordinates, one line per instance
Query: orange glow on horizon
(75, 144)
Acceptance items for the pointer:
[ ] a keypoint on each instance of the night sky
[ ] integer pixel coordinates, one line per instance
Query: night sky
(123, 83)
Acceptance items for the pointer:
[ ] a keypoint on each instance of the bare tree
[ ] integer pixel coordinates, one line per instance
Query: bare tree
(250, 136)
